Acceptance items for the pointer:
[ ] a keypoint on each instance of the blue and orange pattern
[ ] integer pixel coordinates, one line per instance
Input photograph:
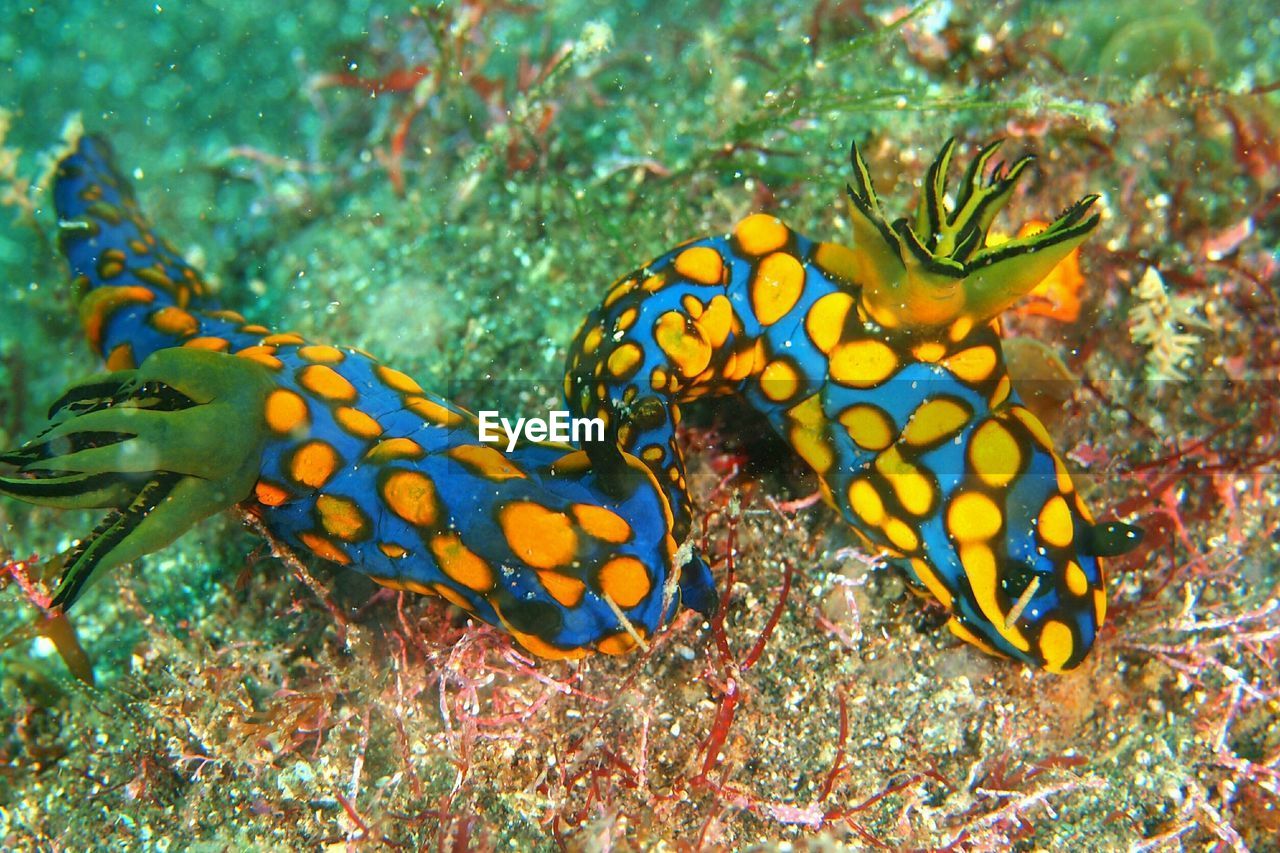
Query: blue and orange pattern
(880, 364)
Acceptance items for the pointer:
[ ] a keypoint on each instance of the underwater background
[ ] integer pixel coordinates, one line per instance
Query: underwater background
(452, 187)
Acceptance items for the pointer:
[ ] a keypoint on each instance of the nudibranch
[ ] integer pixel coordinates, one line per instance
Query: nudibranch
(881, 365)
(337, 454)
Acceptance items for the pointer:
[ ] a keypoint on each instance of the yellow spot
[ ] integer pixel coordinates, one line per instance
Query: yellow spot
(619, 290)
(913, 489)
(1083, 510)
(412, 496)
(321, 354)
(934, 421)
(397, 381)
(1055, 525)
(452, 596)
(837, 261)
(701, 264)
(779, 381)
(868, 426)
(485, 461)
(1077, 583)
(460, 563)
(628, 318)
(270, 494)
(392, 550)
(776, 288)
(927, 576)
(690, 353)
(624, 360)
(692, 305)
(357, 423)
(957, 627)
(658, 379)
(863, 364)
(825, 323)
(394, 448)
(1003, 387)
(972, 365)
(901, 534)
(592, 341)
(326, 383)
(574, 462)
(432, 412)
(973, 517)
(980, 568)
(654, 283)
(1100, 604)
(994, 454)
(866, 502)
(960, 329)
(211, 344)
(281, 339)
(625, 580)
(929, 351)
(286, 411)
(121, 357)
(313, 463)
(1056, 645)
(1034, 426)
(760, 234)
(342, 517)
(541, 537)
(565, 589)
(717, 322)
(324, 549)
(602, 523)
(1062, 476)
(811, 444)
(266, 356)
(619, 643)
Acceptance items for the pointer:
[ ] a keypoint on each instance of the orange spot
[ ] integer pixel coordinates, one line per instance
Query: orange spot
(624, 360)
(395, 448)
(619, 643)
(324, 549)
(229, 316)
(412, 496)
(321, 354)
(100, 304)
(686, 349)
(760, 234)
(432, 412)
(825, 323)
(342, 517)
(451, 596)
(269, 494)
(208, 343)
(254, 329)
(701, 264)
(313, 463)
(286, 411)
(541, 537)
(283, 339)
(625, 580)
(567, 590)
(776, 287)
(602, 523)
(397, 381)
(392, 550)
(461, 564)
(265, 356)
(171, 320)
(121, 358)
(486, 462)
(357, 423)
(327, 383)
